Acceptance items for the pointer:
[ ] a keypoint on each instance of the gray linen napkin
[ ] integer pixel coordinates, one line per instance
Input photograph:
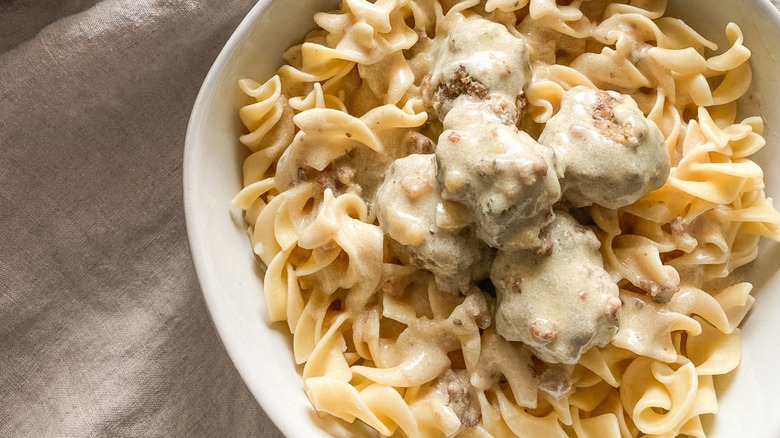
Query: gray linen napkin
(102, 328)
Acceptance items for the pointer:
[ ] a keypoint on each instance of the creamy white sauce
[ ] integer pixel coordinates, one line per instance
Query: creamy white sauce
(559, 304)
(506, 180)
(428, 231)
(612, 155)
(480, 59)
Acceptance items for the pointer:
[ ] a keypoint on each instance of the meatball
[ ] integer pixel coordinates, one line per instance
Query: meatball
(427, 231)
(454, 387)
(562, 303)
(480, 59)
(611, 154)
(506, 180)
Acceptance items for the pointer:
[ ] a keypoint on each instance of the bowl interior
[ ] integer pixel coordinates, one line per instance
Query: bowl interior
(230, 277)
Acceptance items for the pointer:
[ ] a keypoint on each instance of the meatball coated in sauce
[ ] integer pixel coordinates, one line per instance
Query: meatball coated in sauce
(453, 386)
(428, 231)
(479, 59)
(506, 180)
(559, 304)
(611, 154)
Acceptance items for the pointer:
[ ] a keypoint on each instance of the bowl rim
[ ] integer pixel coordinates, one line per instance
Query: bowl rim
(193, 221)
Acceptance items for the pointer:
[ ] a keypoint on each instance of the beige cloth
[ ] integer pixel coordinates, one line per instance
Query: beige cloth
(103, 331)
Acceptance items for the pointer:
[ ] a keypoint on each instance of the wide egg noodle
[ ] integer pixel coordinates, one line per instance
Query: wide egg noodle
(382, 344)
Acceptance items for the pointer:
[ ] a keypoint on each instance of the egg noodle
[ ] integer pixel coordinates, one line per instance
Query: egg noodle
(383, 343)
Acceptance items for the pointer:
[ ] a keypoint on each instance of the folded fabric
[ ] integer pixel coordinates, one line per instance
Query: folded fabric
(103, 331)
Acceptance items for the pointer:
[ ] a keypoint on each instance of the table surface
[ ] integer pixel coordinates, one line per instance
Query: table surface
(103, 331)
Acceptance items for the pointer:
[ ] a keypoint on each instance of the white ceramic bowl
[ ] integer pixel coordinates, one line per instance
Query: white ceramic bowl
(231, 278)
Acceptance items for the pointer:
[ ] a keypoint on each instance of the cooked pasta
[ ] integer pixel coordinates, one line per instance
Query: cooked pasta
(508, 217)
